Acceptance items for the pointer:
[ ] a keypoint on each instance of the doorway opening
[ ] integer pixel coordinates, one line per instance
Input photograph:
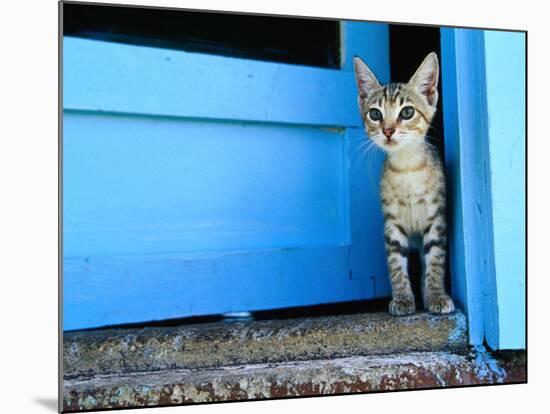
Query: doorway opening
(409, 45)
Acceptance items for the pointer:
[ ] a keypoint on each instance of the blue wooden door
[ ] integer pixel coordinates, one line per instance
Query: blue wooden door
(196, 184)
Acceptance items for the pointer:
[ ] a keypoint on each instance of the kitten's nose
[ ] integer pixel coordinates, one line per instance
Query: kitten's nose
(388, 132)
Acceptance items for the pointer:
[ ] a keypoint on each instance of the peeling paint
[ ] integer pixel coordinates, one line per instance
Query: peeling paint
(487, 366)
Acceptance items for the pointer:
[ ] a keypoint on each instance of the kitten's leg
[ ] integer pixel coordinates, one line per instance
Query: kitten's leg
(397, 249)
(435, 240)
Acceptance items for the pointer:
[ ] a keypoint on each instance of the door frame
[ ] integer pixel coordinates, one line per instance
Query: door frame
(488, 271)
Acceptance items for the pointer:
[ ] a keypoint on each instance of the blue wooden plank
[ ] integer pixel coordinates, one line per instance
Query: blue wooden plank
(151, 287)
(505, 62)
(148, 185)
(113, 77)
(470, 227)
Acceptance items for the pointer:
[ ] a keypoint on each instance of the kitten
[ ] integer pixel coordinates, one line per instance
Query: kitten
(397, 117)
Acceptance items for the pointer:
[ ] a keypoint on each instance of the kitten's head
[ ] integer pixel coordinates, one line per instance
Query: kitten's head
(398, 114)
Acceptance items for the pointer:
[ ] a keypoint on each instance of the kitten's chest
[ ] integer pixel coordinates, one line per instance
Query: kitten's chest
(408, 187)
(407, 195)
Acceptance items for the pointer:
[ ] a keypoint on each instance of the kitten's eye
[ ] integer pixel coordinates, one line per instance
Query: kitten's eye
(375, 114)
(407, 112)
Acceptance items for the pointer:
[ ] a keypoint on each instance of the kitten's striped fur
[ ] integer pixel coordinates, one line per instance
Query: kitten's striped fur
(413, 182)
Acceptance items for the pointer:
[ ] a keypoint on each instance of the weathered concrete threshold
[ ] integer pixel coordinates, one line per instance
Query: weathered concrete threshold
(258, 381)
(116, 368)
(217, 344)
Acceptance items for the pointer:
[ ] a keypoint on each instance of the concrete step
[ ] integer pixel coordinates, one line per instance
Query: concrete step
(415, 370)
(207, 345)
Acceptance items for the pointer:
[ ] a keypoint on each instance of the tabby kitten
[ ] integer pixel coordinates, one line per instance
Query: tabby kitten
(397, 117)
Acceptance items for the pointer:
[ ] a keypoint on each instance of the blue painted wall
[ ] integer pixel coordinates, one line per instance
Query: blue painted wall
(505, 62)
(198, 184)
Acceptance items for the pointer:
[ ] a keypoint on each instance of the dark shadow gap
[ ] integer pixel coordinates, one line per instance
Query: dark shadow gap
(289, 40)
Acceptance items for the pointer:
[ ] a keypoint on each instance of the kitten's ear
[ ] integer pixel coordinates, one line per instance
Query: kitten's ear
(366, 81)
(426, 78)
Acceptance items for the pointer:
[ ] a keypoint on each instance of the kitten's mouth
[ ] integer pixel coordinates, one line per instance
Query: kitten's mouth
(390, 143)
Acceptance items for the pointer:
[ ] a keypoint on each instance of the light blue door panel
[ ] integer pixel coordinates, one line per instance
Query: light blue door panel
(197, 184)
(141, 185)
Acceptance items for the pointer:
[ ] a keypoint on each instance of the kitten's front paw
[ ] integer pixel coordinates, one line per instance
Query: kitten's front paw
(402, 307)
(441, 304)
